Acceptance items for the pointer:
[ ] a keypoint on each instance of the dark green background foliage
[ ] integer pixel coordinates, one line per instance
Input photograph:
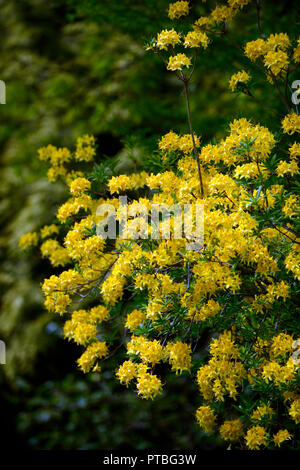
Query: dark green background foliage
(73, 67)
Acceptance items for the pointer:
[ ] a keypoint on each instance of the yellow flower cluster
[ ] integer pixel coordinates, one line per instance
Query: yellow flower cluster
(222, 14)
(296, 54)
(256, 49)
(291, 206)
(278, 41)
(292, 261)
(167, 38)
(79, 186)
(260, 47)
(171, 142)
(250, 170)
(238, 78)
(206, 418)
(238, 4)
(94, 352)
(126, 372)
(150, 352)
(85, 148)
(148, 385)
(73, 206)
(57, 254)
(282, 436)
(178, 9)
(291, 123)
(262, 143)
(272, 50)
(231, 430)
(294, 411)
(262, 412)
(256, 437)
(82, 328)
(56, 156)
(294, 150)
(208, 310)
(196, 39)
(287, 168)
(179, 356)
(281, 345)
(118, 184)
(28, 240)
(178, 61)
(203, 23)
(134, 319)
(59, 158)
(279, 374)
(224, 372)
(49, 230)
(276, 61)
(229, 299)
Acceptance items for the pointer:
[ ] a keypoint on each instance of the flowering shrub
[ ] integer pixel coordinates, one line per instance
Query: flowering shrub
(224, 313)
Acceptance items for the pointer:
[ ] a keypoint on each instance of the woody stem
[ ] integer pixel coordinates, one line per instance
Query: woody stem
(187, 97)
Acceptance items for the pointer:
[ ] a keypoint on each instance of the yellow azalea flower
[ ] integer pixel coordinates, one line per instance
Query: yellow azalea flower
(282, 436)
(256, 437)
(262, 412)
(177, 62)
(222, 13)
(28, 240)
(178, 9)
(256, 49)
(126, 372)
(296, 54)
(85, 148)
(179, 354)
(291, 123)
(79, 186)
(49, 230)
(237, 78)
(278, 41)
(206, 418)
(231, 430)
(95, 351)
(167, 38)
(294, 411)
(276, 61)
(196, 39)
(148, 385)
(134, 319)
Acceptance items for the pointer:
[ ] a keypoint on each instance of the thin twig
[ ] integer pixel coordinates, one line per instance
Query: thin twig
(258, 9)
(186, 90)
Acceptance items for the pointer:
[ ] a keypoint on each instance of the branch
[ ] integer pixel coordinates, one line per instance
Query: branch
(258, 9)
(186, 91)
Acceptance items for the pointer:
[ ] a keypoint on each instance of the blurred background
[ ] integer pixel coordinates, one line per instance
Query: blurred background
(73, 67)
